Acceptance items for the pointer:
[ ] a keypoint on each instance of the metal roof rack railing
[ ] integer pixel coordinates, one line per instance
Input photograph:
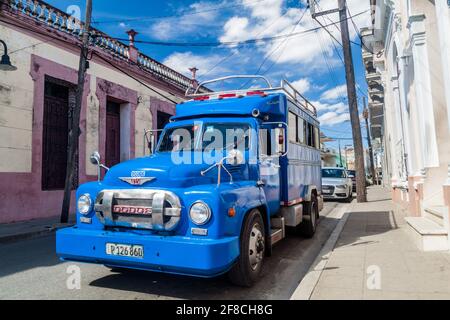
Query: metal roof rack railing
(285, 87)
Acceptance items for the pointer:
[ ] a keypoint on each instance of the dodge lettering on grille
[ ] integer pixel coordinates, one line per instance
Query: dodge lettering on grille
(132, 210)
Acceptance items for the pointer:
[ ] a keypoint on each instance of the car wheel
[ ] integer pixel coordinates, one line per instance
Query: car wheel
(248, 268)
(350, 196)
(310, 213)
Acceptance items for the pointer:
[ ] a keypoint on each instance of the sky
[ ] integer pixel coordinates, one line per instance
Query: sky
(311, 61)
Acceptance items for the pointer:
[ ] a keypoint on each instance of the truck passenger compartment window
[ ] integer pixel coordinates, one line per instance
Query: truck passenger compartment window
(301, 131)
(293, 119)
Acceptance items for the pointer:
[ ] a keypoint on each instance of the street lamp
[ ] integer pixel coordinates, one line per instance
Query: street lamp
(5, 63)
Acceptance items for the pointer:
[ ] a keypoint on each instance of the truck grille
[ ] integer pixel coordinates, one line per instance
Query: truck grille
(140, 209)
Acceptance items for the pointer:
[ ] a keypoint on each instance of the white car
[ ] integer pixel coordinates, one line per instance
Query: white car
(336, 184)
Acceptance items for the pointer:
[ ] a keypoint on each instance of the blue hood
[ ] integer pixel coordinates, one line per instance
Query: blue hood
(162, 168)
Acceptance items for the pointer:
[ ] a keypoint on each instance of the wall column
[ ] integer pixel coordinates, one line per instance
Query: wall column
(424, 101)
(443, 25)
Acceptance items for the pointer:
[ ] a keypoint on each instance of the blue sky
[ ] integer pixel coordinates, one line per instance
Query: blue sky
(310, 60)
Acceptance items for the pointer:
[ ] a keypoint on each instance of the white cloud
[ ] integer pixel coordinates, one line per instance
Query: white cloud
(270, 19)
(335, 93)
(302, 85)
(195, 22)
(182, 61)
(333, 118)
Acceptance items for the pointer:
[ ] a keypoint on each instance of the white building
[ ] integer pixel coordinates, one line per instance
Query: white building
(407, 58)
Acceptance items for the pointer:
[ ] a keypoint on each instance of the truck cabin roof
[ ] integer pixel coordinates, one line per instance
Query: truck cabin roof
(269, 107)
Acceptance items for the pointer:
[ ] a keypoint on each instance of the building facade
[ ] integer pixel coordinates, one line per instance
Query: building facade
(407, 58)
(125, 94)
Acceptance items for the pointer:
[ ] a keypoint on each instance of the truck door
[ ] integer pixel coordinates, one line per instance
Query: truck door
(269, 166)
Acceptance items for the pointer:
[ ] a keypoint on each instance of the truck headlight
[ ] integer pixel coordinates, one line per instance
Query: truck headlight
(84, 204)
(200, 213)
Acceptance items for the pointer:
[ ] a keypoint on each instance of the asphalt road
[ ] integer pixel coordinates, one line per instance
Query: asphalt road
(30, 270)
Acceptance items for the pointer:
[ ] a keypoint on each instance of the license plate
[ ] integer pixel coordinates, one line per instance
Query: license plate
(327, 191)
(124, 250)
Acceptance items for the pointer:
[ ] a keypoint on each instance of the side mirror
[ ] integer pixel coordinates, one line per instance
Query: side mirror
(95, 158)
(235, 158)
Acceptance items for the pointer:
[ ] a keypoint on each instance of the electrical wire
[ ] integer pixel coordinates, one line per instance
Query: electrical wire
(236, 52)
(134, 78)
(284, 43)
(233, 43)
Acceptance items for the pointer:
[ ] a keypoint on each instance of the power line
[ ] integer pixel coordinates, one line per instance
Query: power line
(234, 43)
(283, 44)
(236, 52)
(212, 9)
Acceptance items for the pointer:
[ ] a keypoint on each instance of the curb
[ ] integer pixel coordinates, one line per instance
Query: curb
(45, 231)
(306, 287)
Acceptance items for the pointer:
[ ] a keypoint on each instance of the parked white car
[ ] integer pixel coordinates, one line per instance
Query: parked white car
(337, 184)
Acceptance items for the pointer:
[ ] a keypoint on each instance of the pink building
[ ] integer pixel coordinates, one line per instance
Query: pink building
(126, 93)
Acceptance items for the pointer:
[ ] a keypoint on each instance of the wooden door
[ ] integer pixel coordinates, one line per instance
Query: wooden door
(55, 136)
(112, 156)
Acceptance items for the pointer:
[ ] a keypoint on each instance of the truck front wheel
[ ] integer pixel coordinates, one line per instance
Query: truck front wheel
(248, 268)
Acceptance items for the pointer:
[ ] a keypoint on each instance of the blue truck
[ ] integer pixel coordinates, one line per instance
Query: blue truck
(230, 173)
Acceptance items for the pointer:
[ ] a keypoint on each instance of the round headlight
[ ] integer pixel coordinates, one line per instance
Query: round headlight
(84, 204)
(200, 213)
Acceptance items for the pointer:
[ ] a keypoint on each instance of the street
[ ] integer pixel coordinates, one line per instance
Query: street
(30, 270)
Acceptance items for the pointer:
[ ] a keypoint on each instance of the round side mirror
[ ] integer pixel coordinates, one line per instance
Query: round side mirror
(235, 157)
(95, 158)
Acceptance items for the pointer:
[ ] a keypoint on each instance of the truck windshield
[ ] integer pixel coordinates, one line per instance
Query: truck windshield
(215, 136)
(179, 138)
(333, 173)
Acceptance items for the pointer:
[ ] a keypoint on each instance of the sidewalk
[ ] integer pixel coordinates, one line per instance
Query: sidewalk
(30, 229)
(375, 258)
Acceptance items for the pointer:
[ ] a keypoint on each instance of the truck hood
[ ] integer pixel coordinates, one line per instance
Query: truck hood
(334, 181)
(162, 171)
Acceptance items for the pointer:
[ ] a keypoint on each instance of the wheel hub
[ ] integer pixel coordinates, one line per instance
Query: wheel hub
(256, 247)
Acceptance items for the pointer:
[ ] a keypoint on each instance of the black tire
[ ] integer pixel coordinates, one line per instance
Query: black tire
(245, 273)
(310, 218)
(350, 197)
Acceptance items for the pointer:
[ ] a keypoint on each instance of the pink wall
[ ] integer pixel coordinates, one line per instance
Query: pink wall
(21, 195)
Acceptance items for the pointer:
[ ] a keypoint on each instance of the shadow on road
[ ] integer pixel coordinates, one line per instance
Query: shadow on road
(281, 274)
(27, 255)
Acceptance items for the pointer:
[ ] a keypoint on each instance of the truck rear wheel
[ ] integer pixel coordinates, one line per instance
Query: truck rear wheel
(310, 218)
(252, 248)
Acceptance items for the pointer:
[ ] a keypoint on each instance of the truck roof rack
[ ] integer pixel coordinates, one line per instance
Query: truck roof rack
(285, 87)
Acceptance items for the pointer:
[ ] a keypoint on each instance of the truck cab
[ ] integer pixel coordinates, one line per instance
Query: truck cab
(231, 171)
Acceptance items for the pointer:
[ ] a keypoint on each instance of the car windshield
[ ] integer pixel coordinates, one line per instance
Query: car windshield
(215, 136)
(333, 173)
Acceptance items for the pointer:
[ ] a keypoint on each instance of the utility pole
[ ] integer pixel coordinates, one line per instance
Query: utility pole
(351, 90)
(353, 105)
(74, 126)
(369, 140)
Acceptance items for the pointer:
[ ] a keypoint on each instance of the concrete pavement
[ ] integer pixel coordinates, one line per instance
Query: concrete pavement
(375, 258)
